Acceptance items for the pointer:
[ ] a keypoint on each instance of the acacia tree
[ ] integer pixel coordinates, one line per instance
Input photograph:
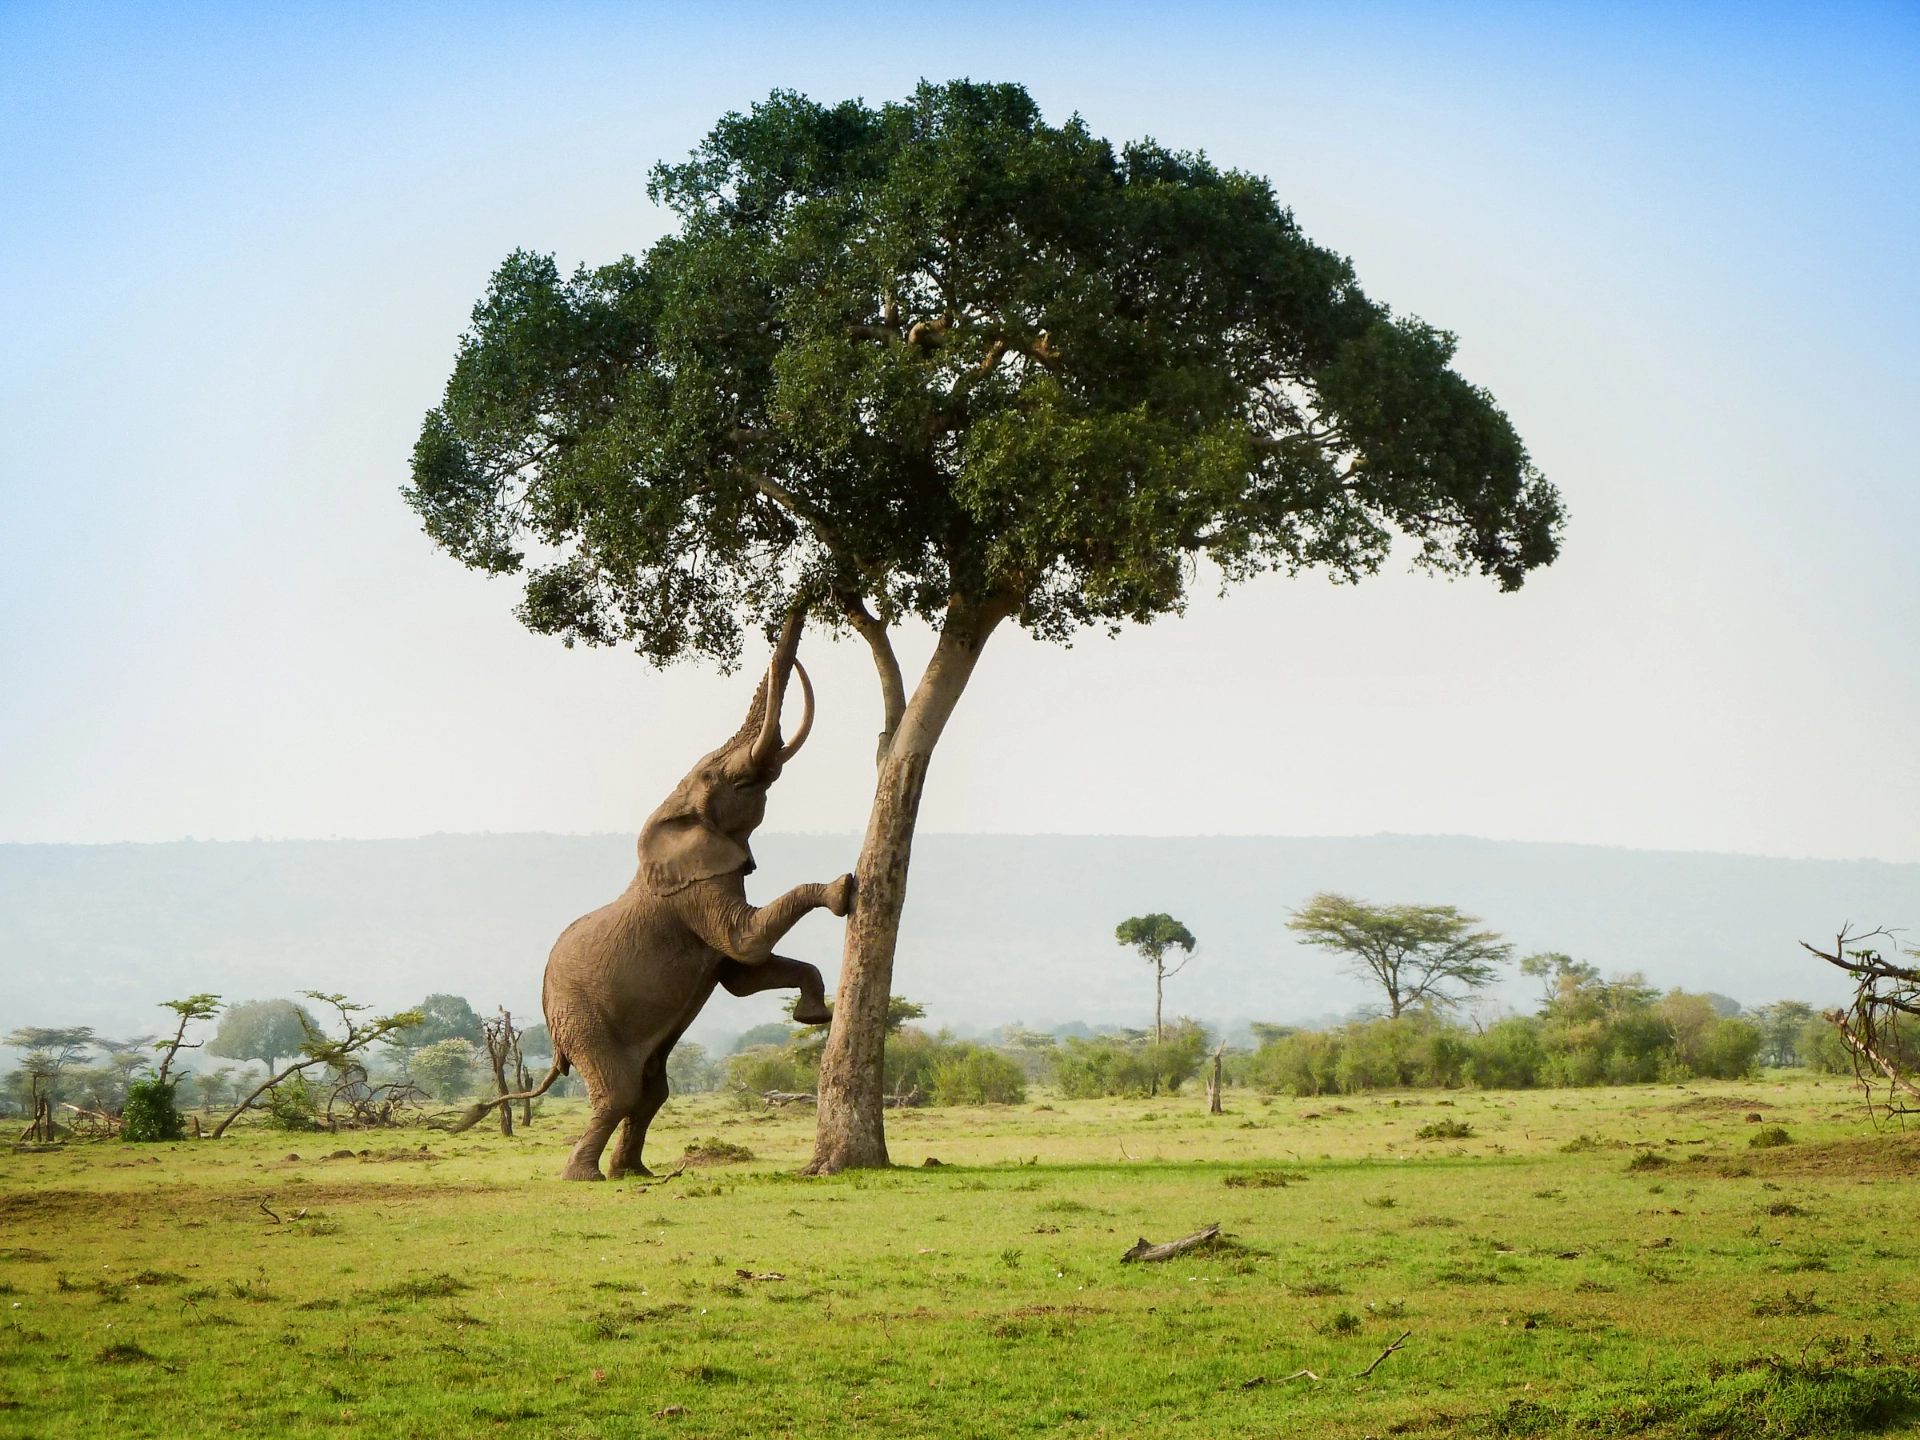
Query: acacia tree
(1419, 955)
(1152, 936)
(942, 361)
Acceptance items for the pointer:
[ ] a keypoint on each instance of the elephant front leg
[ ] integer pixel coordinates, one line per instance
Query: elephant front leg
(777, 972)
(735, 928)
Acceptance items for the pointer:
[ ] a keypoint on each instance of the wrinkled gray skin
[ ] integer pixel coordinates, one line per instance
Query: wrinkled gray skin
(623, 983)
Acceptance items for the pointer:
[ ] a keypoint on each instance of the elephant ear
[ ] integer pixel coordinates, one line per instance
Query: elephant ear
(679, 845)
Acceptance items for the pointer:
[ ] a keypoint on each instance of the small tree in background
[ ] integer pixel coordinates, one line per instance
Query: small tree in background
(50, 1052)
(1153, 936)
(150, 1113)
(1781, 1025)
(263, 1030)
(1429, 956)
(445, 1068)
(1557, 974)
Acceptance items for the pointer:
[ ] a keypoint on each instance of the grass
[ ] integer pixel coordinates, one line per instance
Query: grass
(1548, 1288)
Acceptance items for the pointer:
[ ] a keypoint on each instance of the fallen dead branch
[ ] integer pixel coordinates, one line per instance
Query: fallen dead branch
(672, 1174)
(761, 1275)
(1145, 1250)
(790, 1097)
(1383, 1355)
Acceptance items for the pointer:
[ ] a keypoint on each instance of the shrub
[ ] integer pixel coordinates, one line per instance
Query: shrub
(976, 1075)
(1767, 1138)
(150, 1114)
(444, 1069)
(1507, 1056)
(771, 1067)
(1302, 1062)
(689, 1071)
(293, 1104)
(1448, 1129)
(1129, 1065)
(1646, 1160)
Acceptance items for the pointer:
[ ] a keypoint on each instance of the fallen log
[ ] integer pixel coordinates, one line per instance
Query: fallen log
(790, 1097)
(1145, 1250)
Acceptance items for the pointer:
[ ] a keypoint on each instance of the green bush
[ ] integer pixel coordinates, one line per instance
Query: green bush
(1130, 1064)
(976, 1075)
(1301, 1062)
(1507, 1055)
(771, 1067)
(151, 1114)
(445, 1068)
(293, 1104)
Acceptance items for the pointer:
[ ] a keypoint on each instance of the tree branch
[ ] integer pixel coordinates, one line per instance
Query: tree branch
(893, 688)
(1861, 1047)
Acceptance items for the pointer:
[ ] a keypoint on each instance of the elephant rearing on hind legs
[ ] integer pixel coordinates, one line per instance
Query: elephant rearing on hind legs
(623, 983)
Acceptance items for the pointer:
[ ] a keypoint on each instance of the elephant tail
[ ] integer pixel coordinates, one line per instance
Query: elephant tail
(476, 1113)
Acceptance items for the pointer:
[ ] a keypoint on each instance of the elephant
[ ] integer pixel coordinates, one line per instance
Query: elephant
(623, 983)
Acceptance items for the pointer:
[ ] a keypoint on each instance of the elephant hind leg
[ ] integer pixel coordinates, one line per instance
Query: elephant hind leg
(613, 1096)
(777, 972)
(633, 1131)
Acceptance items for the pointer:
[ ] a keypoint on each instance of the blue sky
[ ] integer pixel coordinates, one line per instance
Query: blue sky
(237, 246)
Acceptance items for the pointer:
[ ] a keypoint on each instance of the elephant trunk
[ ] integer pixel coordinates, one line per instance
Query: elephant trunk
(792, 747)
(766, 751)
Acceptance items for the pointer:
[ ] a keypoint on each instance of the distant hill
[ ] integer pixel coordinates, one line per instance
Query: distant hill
(998, 927)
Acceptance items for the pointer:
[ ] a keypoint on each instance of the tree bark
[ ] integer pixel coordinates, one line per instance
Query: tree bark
(851, 1131)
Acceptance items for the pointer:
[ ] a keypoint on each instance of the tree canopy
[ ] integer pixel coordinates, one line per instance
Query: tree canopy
(263, 1030)
(941, 349)
(1429, 956)
(1154, 935)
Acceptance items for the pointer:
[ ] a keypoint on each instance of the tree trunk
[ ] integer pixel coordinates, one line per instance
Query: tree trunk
(1159, 976)
(851, 1130)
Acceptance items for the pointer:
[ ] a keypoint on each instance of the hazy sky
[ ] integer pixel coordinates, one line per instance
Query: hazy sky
(1677, 243)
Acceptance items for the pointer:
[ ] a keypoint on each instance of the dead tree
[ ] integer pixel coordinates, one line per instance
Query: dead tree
(1879, 1026)
(1213, 1083)
(503, 1048)
(320, 1048)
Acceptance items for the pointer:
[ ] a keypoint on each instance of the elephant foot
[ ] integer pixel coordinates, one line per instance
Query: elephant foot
(839, 896)
(629, 1172)
(577, 1171)
(810, 1011)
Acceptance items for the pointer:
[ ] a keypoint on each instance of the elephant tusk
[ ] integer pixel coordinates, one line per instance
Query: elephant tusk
(792, 748)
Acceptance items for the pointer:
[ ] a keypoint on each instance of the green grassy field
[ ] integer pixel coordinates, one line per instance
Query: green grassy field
(1663, 1276)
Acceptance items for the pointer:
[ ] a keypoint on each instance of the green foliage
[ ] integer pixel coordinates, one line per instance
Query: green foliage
(263, 1030)
(689, 1071)
(1425, 956)
(773, 1067)
(1590, 1032)
(774, 1032)
(444, 1017)
(294, 1104)
(1154, 935)
(150, 1113)
(1769, 1137)
(976, 1075)
(444, 1069)
(1129, 1064)
(943, 352)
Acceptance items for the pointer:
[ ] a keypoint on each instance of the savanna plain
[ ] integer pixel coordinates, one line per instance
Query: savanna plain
(1608, 1261)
